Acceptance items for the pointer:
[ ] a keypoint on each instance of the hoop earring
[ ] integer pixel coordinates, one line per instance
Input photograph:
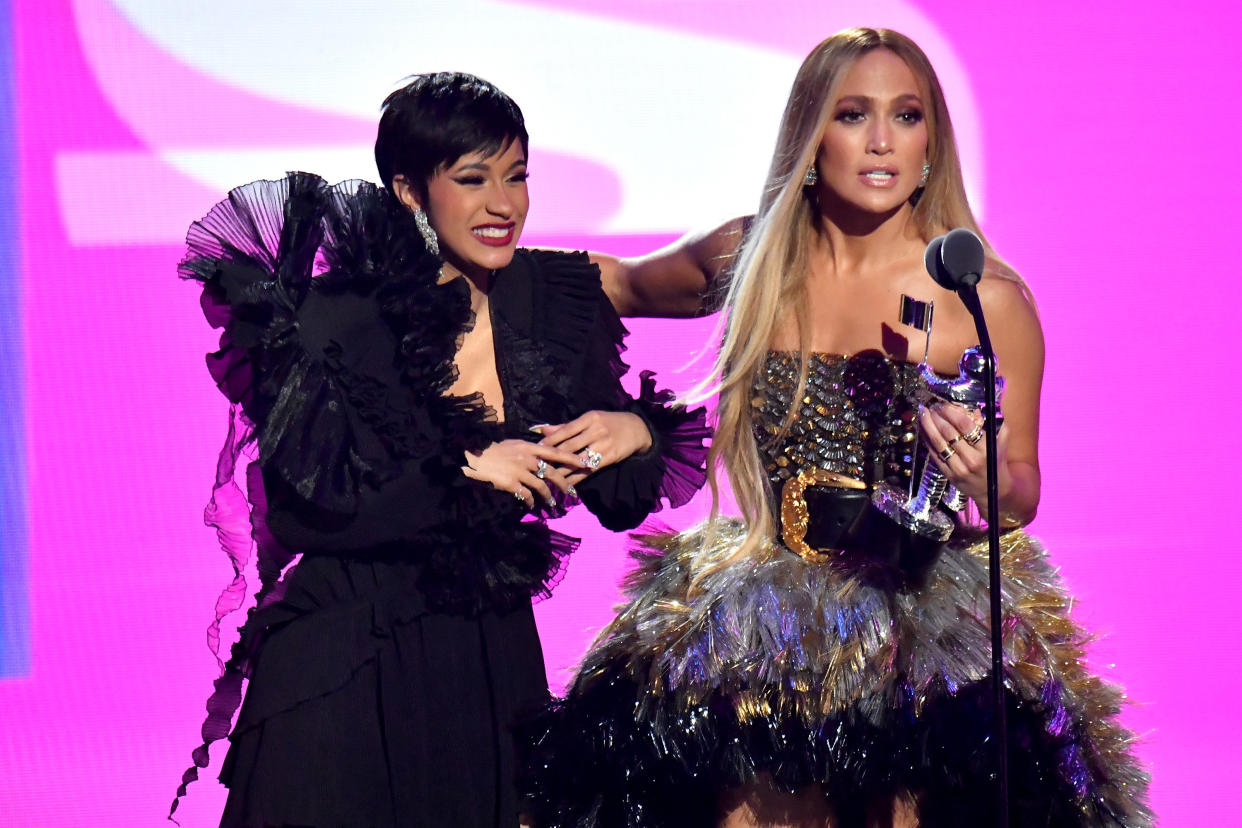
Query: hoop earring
(810, 176)
(926, 174)
(427, 232)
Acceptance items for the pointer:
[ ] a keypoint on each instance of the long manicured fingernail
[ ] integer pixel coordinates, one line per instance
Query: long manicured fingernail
(538, 429)
(573, 492)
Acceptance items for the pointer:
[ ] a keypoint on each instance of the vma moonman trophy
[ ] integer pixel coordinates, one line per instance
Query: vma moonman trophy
(918, 512)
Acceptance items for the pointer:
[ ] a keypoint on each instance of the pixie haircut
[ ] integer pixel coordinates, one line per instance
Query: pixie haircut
(426, 125)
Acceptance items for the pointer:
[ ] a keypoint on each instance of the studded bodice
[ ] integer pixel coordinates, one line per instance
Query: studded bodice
(856, 417)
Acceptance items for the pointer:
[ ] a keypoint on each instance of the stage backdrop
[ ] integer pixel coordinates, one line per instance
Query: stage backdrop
(1100, 143)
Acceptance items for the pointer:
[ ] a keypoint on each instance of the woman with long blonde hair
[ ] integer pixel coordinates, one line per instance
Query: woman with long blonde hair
(814, 663)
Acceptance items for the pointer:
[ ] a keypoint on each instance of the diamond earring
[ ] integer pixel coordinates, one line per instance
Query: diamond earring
(810, 177)
(427, 232)
(926, 174)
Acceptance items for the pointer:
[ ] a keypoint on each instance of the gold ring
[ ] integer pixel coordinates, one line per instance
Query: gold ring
(946, 453)
(953, 441)
(974, 436)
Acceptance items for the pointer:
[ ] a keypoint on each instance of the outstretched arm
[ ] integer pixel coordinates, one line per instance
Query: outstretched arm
(677, 280)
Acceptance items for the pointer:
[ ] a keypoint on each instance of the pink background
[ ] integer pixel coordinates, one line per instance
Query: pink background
(1105, 153)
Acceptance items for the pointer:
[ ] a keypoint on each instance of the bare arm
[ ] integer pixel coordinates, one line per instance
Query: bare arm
(676, 280)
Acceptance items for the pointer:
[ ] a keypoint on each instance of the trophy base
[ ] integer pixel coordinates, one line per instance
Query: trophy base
(892, 502)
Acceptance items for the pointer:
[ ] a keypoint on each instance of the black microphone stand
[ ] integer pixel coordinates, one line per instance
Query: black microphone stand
(970, 298)
(961, 272)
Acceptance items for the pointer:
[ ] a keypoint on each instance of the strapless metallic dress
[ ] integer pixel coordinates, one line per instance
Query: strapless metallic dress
(857, 670)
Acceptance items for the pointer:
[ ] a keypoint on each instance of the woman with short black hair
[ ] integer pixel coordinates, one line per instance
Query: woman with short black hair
(420, 395)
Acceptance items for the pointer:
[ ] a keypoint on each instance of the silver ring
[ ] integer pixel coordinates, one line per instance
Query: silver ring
(541, 470)
(521, 498)
(591, 458)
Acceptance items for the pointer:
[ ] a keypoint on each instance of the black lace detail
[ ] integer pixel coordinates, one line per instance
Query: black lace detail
(567, 360)
(545, 313)
(679, 438)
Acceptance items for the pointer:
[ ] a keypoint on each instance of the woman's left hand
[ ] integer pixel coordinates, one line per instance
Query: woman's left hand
(599, 438)
(955, 437)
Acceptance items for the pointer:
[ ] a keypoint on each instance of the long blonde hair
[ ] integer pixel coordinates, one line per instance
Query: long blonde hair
(770, 273)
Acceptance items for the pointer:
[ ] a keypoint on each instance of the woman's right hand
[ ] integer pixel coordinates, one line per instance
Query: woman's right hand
(514, 466)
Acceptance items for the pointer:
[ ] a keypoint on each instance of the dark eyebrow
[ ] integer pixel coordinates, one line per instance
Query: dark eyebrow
(909, 97)
(484, 167)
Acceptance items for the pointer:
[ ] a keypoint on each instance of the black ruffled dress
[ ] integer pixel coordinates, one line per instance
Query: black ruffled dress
(384, 669)
(862, 671)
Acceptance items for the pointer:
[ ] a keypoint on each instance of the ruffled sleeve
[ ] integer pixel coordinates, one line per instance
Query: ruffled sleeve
(257, 255)
(585, 339)
(671, 470)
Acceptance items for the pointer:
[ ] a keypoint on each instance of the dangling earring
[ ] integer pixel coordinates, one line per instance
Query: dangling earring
(427, 232)
(810, 177)
(926, 174)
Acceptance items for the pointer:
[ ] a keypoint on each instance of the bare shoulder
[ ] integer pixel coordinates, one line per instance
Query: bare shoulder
(1002, 291)
(1012, 318)
(609, 265)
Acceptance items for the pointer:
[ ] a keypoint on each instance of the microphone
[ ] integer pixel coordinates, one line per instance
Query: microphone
(955, 260)
(931, 261)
